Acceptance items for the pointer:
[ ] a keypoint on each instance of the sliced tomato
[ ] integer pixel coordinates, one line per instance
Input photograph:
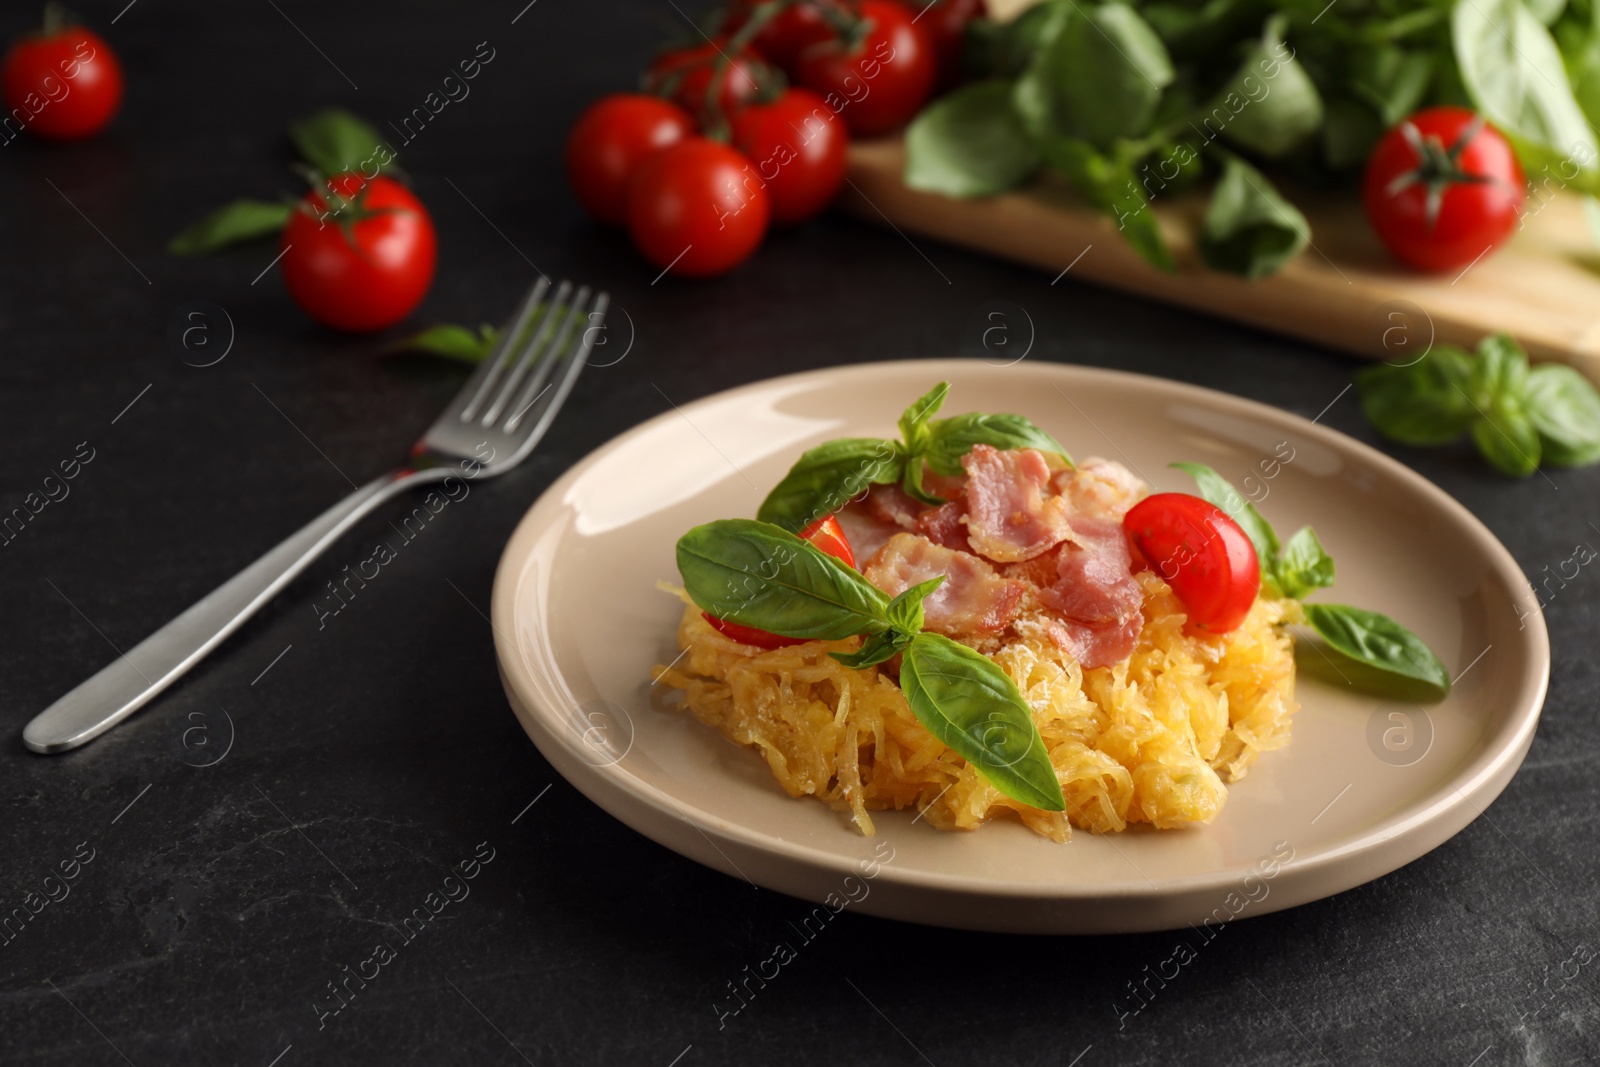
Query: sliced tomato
(1200, 552)
(826, 534)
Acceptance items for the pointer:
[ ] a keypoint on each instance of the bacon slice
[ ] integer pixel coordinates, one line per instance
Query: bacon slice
(1095, 594)
(1009, 518)
(872, 519)
(944, 525)
(973, 598)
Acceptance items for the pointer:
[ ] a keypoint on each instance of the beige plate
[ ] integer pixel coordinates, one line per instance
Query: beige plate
(1365, 787)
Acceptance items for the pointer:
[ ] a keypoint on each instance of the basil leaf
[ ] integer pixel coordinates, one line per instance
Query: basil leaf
(950, 439)
(1381, 643)
(971, 705)
(905, 611)
(1004, 49)
(970, 143)
(452, 342)
(1420, 403)
(1109, 184)
(231, 224)
(1513, 72)
(334, 141)
(905, 621)
(1219, 491)
(914, 420)
(1269, 106)
(1249, 228)
(1097, 76)
(755, 574)
(1501, 370)
(828, 477)
(1305, 566)
(1507, 439)
(874, 650)
(1391, 80)
(911, 484)
(1565, 410)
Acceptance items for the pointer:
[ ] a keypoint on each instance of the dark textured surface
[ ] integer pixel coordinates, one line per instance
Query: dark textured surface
(378, 752)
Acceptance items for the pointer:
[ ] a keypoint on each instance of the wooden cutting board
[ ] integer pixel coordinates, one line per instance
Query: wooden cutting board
(1344, 291)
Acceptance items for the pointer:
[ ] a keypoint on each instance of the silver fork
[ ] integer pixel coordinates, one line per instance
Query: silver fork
(492, 424)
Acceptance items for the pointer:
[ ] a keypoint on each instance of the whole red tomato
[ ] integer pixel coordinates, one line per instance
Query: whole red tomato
(1442, 188)
(685, 75)
(797, 146)
(879, 81)
(611, 139)
(697, 208)
(61, 83)
(360, 258)
(1200, 552)
(945, 22)
(794, 28)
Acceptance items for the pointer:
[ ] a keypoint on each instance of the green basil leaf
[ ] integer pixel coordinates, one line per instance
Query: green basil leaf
(1501, 370)
(334, 141)
(911, 484)
(1304, 566)
(828, 477)
(756, 574)
(914, 420)
(1219, 491)
(1565, 410)
(1422, 403)
(950, 439)
(1097, 76)
(1391, 80)
(1109, 184)
(1381, 643)
(971, 705)
(1513, 72)
(1249, 228)
(874, 650)
(1004, 49)
(1270, 105)
(1579, 41)
(905, 611)
(231, 224)
(970, 143)
(1507, 439)
(452, 342)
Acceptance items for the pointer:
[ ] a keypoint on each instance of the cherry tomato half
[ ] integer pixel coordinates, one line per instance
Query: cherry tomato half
(881, 82)
(697, 208)
(793, 29)
(797, 145)
(1200, 552)
(1442, 189)
(609, 141)
(361, 258)
(826, 534)
(63, 82)
(684, 75)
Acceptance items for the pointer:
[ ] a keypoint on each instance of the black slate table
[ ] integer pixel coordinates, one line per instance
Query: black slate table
(374, 752)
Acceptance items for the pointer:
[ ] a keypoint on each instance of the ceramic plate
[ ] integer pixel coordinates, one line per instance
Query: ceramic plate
(1365, 787)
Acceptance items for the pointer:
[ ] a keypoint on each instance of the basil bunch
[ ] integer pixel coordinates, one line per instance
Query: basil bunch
(757, 574)
(1136, 100)
(1379, 653)
(831, 475)
(1518, 417)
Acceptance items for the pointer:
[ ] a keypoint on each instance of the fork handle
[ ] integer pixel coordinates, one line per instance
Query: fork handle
(135, 677)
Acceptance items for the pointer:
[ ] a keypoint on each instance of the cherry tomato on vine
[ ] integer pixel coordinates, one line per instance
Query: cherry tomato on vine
(62, 82)
(697, 208)
(879, 81)
(945, 22)
(793, 29)
(361, 258)
(684, 76)
(1442, 188)
(1200, 552)
(611, 139)
(797, 146)
(826, 534)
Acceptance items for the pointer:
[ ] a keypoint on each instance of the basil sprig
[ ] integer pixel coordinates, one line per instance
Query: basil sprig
(828, 477)
(1386, 657)
(756, 574)
(1518, 417)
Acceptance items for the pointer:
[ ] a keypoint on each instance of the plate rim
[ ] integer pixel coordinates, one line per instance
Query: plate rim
(1483, 779)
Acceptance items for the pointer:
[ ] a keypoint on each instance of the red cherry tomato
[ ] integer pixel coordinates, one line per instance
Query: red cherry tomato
(881, 82)
(697, 208)
(62, 83)
(826, 534)
(362, 258)
(611, 139)
(684, 75)
(1200, 552)
(798, 146)
(793, 29)
(945, 22)
(1442, 189)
